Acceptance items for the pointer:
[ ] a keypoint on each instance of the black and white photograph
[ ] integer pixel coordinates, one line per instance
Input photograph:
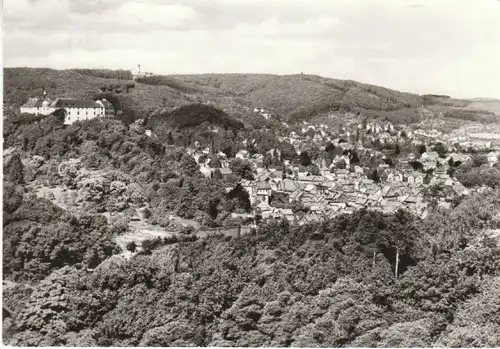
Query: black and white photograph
(250, 173)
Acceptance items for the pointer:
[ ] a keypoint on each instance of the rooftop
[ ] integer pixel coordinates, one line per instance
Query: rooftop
(263, 185)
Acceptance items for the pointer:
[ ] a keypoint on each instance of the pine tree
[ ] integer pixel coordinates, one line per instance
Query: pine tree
(15, 170)
(170, 139)
(397, 149)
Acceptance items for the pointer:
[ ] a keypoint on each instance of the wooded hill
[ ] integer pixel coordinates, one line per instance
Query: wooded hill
(288, 96)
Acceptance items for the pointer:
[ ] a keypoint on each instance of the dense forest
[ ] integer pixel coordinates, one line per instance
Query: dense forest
(121, 74)
(329, 284)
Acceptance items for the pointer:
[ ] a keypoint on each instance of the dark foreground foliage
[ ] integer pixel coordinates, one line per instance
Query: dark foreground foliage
(321, 285)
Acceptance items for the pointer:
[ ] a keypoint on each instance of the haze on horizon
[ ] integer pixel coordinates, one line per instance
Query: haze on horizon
(423, 46)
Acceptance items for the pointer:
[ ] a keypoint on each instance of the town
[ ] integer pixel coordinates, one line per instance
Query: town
(346, 185)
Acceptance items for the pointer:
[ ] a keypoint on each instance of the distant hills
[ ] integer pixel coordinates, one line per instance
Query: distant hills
(288, 97)
(485, 104)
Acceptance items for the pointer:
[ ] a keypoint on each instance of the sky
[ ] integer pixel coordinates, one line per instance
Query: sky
(423, 46)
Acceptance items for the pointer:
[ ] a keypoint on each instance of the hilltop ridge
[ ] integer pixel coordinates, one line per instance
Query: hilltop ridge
(287, 95)
(289, 98)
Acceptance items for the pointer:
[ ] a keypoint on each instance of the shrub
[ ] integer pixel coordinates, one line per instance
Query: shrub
(149, 245)
(131, 246)
(146, 213)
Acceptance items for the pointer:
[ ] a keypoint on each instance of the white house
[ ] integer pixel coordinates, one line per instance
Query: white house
(493, 158)
(242, 154)
(79, 110)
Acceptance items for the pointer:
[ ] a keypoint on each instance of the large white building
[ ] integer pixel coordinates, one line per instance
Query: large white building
(75, 110)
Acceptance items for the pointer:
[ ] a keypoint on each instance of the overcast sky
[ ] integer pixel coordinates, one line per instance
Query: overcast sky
(422, 46)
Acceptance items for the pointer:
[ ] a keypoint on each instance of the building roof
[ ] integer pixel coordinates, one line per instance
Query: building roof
(273, 185)
(243, 182)
(225, 171)
(243, 152)
(264, 206)
(412, 199)
(310, 187)
(263, 185)
(288, 185)
(277, 174)
(77, 103)
(296, 194)
(32, 102)
(107, 104)
(361, 201)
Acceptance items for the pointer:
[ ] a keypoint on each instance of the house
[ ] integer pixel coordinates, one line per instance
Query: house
(277, 175)
(411, 199)
(341, 173)
(263, 191)
(296, 195)
(225, 171)
(429, 157)
(375, 197)
(109, 110)
(358, 169)
(242, 154)
(207, 171)
(493, 157)
(362, 201)
(264, 206)
(459, 189)
(392, 175)
(273, 183)
(221, 155)
(413, 178)
(286, 213)
(287, 185)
